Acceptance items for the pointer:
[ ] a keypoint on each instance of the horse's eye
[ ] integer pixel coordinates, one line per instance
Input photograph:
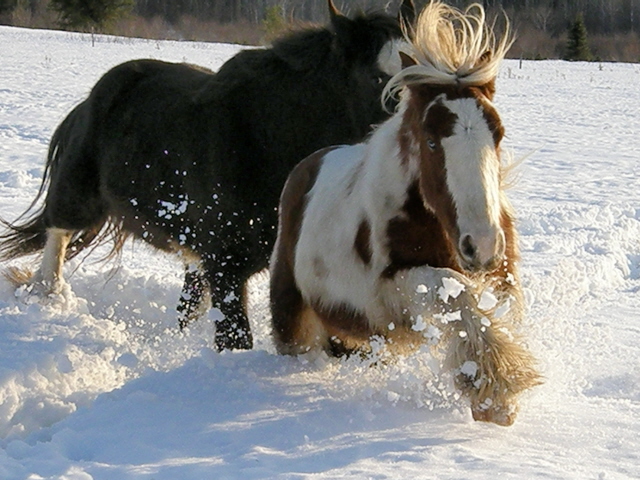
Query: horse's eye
(431, 144)
(380, 79)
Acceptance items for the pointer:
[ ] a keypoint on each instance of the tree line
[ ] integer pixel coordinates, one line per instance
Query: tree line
(551, 16)
(544, 28)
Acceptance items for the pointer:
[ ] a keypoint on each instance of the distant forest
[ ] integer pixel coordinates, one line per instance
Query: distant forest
(612, 26)
(600, 16)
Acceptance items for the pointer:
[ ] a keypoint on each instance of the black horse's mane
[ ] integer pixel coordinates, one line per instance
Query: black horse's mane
(309, 47)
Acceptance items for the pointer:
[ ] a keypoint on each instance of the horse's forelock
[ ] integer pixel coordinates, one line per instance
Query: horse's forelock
(452, 47)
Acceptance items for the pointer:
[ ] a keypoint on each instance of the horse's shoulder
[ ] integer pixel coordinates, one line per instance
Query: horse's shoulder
(297, 52)
(292, 199)
(304, 175)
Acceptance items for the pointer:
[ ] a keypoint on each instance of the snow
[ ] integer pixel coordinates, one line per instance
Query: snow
(487, 300)
(97, 382)
(450, 288)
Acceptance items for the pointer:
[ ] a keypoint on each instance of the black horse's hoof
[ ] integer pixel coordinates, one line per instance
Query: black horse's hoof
(232, 336)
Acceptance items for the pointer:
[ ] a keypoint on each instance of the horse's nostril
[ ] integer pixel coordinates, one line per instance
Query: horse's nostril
(468, 247)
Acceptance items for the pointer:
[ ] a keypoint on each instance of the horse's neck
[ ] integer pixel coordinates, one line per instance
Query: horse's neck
(386, 177)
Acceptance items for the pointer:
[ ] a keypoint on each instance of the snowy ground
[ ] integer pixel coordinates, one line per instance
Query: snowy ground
(101, 385)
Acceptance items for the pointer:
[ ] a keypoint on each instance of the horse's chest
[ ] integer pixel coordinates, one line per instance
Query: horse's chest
(415, 241)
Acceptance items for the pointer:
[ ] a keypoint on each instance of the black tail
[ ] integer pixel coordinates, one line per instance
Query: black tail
(24, 239)
(71, 148)
(28, 233)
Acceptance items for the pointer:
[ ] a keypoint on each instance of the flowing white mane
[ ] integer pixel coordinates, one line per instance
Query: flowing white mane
(452, 47)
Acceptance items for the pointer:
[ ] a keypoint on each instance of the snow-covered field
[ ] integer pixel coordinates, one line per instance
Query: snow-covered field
(101, 385)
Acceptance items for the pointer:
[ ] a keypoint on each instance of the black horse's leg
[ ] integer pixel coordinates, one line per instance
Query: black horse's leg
(195, 296)
(233, 331)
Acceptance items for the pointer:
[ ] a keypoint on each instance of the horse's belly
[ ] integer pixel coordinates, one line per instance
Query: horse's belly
(347, 285)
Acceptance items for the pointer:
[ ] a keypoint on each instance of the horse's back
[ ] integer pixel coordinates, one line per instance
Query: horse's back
(132, 74)
(126, 107)
(144, 89)
(145, 106)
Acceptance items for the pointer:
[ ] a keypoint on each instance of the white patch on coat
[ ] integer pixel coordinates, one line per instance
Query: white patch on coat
(344, 195)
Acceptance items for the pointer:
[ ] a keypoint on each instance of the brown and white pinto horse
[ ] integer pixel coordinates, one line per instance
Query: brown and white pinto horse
(410, 236)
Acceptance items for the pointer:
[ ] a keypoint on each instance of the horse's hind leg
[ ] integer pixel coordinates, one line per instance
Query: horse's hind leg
(195, 298)
(48, 279)
(233, 332)
(227, 288)
(492, 368)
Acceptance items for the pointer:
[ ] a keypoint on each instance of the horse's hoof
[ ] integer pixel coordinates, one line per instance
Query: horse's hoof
(233, 340)
(499, 416)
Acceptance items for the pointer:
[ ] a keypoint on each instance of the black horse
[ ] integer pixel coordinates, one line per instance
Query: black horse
(193, 162)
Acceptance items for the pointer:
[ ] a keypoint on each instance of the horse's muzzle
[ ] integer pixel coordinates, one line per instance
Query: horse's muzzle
(482, 252)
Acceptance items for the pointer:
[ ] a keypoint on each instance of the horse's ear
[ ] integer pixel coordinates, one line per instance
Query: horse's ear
(485, 57)
(342, 27)
(334, 13)
(407, 15)
(407, 60)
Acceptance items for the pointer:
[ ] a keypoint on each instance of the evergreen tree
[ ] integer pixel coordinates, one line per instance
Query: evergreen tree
(8, 6)
(274, 23)
(577, 45)
(90, 13)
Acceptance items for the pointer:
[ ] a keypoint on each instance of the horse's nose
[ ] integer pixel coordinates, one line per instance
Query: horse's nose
(482, 251)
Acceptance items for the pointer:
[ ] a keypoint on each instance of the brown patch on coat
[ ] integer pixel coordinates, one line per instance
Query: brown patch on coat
(439, 123)
(422, 233)
(493, 120)
(293, 201)
(344, 322)
(362, 243)
(416, 238)
(291, 325)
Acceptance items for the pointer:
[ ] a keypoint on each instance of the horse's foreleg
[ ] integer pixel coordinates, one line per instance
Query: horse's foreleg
(233, 332)
(195, 298)
(297, 329)
(49, 277)
(227, 289)
(491, 366)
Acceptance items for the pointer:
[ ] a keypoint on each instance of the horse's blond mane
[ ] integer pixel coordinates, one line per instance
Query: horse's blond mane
(452, 47)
